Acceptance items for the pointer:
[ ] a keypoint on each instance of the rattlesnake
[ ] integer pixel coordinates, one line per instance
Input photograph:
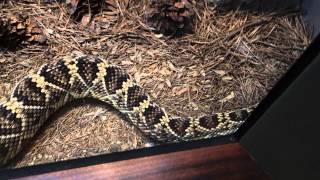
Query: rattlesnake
(76, 76)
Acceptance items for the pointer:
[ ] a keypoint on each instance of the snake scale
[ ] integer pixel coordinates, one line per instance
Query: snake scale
(40, 94)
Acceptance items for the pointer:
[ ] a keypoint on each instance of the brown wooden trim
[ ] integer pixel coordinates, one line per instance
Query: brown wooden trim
(229, 161)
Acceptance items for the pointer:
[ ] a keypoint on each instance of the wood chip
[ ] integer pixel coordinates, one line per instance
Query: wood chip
(220, 72)
(227, 78)
(228, 98)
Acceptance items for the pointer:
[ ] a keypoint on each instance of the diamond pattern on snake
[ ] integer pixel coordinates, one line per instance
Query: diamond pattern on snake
(76, 76)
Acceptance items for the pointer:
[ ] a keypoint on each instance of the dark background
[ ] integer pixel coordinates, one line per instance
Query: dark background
(285, 141)
(311, 15)
(309, 8)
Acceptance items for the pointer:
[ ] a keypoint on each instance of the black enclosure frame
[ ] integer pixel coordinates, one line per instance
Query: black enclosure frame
(291, 75)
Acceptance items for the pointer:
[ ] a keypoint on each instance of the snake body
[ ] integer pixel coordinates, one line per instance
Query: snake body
(39, 95)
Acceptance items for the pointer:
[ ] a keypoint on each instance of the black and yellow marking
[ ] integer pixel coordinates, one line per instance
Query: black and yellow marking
(40, 94)
(57, 75)
(11, 125)
(29, 93)
(135, 96)
(114, 78)
(87, 69)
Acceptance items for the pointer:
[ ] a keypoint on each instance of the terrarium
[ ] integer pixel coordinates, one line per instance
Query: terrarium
(193, 58)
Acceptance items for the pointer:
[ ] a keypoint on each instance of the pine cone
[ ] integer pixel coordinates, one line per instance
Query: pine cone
(17, 28)
(171, 17)
(112, 8)
(81, 8)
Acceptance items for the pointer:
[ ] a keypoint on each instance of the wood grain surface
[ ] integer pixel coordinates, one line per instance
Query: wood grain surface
(229, 161)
